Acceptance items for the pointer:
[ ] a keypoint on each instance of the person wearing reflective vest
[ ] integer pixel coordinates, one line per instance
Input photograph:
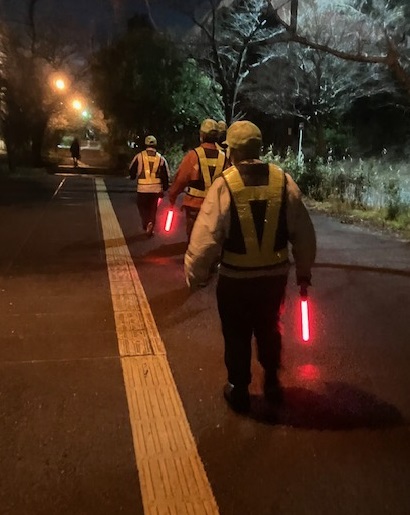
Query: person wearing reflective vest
(248, 218)
(197, 171)
(151, 170)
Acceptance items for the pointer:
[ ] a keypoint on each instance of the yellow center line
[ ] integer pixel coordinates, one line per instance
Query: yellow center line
(172, 476)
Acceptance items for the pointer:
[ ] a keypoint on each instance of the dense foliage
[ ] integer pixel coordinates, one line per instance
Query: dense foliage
(144, 84)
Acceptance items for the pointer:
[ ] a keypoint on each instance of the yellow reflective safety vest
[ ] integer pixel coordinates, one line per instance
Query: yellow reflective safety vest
(211, 165)
(257, 236)
(150, 167)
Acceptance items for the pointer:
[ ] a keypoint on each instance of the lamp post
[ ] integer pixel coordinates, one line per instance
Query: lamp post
(300, 153)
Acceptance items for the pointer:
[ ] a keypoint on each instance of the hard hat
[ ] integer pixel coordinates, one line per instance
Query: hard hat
(243, 135)
(222, 126)
(150, 140)
(208, 126)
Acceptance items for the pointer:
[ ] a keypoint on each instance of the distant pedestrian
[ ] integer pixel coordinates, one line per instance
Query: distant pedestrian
(75, 151)
(248, 217)
(151, 170)
(197, 171)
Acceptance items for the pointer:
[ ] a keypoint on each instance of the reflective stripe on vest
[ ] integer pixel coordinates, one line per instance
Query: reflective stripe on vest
(149, 171)
(256, 255)
(205, 163)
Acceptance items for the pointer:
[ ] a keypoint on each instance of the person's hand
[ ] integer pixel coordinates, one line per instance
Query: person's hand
(194, 285)
(304, 291)
(303, 283)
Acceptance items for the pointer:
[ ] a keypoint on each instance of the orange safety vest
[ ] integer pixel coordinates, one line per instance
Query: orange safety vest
(210, 168)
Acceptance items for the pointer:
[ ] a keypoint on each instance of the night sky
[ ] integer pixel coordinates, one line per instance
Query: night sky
(101, 18)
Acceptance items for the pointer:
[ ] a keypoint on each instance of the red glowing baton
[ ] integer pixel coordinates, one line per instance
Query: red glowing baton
(168, 222)
(304, 309)
(305, 319)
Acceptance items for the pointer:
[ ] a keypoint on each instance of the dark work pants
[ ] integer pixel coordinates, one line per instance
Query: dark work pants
(250, 307)
(147, 206)
(191, 214)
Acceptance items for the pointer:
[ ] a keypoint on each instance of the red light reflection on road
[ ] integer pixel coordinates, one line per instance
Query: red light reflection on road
(309, 372)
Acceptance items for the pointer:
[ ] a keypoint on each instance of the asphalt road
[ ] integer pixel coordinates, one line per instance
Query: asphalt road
(340, 444)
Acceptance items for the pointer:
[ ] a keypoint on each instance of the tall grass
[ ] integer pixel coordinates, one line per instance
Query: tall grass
(371, 184)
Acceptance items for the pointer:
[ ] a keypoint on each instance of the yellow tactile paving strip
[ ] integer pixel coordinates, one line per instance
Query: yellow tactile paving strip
(172, 477)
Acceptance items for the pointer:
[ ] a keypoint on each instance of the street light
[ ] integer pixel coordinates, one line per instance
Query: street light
(59, 84)
(300, 152)
(77, 105)
(58, 81)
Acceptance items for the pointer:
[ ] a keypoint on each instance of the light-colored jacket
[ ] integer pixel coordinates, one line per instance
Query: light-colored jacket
(212, 227)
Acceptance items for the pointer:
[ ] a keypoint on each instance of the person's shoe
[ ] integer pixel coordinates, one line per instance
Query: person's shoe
(272, 389)
(237, 398)
(149, 231)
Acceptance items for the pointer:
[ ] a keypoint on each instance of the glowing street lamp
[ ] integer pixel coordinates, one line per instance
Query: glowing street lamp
(59, 84)
(77, 105)
(58, 81)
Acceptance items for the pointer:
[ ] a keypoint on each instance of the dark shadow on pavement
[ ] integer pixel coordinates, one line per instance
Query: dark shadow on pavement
(361, 268)
(16, 191)
(173, 249)
(171, 300)
(341, 407)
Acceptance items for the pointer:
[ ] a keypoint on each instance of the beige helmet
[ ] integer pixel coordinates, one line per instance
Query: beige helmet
(208, 126)
(244, 135)
(150, 141)
(222, 127)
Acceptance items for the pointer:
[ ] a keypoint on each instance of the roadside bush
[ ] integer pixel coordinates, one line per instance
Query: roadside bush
(289, 163)
(393, 200)
(314, 180)
(311, 177)
(174, 155)
(379, 185)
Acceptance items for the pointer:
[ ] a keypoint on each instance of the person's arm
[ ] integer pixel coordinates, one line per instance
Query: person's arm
(301, 233)
(164, 174)
(208, 234)
(188, 166)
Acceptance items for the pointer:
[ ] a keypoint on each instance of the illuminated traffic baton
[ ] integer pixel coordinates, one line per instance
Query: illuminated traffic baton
(168, 221)
(304, 311)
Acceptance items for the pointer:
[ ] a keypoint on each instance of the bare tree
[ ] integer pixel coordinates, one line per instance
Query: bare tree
(310, 58)
(320, 87)
(355, 30)
(227, 43)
